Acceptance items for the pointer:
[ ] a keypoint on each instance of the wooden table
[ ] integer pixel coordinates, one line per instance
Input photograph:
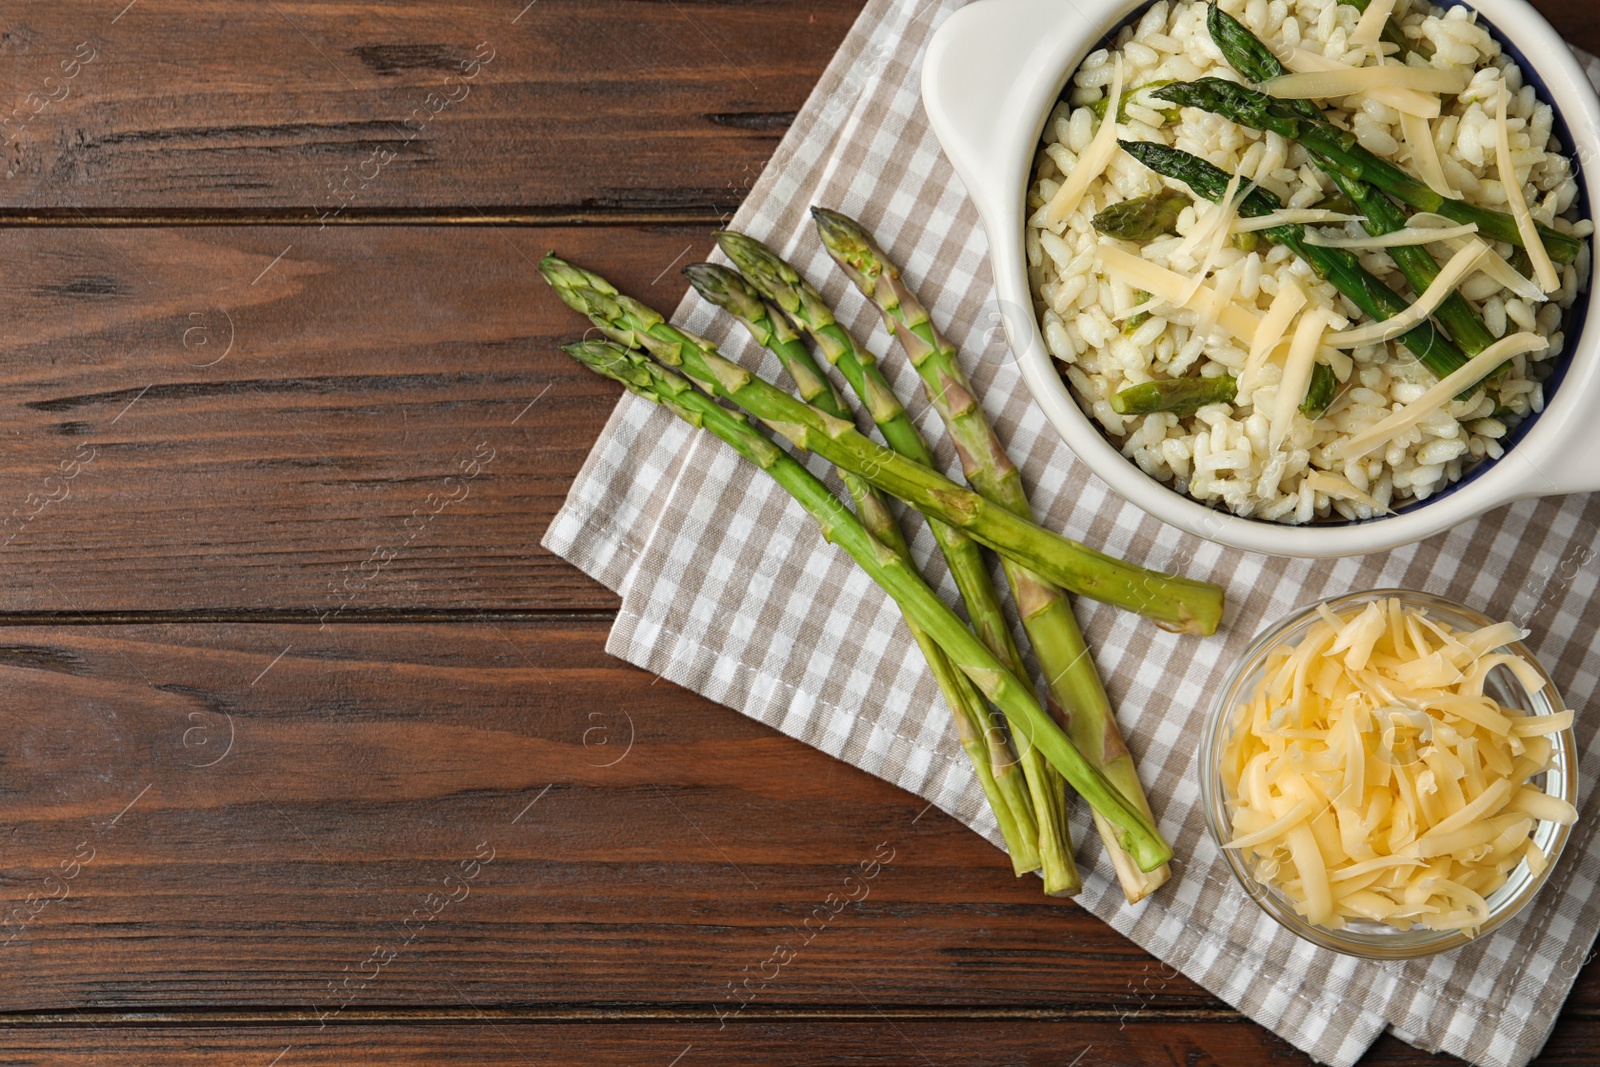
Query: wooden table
(310, 754)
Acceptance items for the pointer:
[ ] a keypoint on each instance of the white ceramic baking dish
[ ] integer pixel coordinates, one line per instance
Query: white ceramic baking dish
(991, 75)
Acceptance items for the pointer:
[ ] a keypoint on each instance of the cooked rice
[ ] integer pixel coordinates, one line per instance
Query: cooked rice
(1220, 455)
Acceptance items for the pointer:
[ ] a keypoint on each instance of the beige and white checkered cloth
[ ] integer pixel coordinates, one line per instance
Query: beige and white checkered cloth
(728, 590)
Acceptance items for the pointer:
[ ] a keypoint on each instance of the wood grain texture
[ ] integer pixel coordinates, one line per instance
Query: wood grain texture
(312, 108)
(867, 1040)
(860, 1036)
(262, 420)
(648, 846)
(308, 110)
(859, 1043)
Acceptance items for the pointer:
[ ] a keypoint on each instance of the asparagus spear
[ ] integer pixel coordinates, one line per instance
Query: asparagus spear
(892, 571)
(1180, 603)
(1046, 614)
(991, 754)
(1338, 265)
(1098, 108)
(1319, 393)
(1250, 56)
(1340, 151)
(1142, 217)
(1181, 396)
(1416, 263)
(780, 283)
(1138, 319)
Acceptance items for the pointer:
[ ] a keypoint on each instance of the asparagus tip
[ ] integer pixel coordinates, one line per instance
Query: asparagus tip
(727, 289)
(774, 279)
(610, 360)
(752, 257)
(706, 277)
(836, 226)
(731, 240)
(851, 246)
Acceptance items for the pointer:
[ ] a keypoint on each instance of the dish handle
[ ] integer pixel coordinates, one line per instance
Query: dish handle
(987, 68)
(1574, 468)
(1561, 454)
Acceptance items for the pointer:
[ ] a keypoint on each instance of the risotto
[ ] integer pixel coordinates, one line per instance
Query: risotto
(1234, 448)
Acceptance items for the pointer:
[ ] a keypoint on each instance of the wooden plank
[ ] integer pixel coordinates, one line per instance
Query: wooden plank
(319, 109)
(866, 1037)
(647, 846)
(255, 419)
(858, 1043)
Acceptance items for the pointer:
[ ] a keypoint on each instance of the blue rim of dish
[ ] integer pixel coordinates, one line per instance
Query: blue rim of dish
(1572, 319)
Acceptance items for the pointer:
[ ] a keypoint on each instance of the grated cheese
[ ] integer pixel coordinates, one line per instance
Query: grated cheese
(1496, 267)
(1462, 264)
(1174, 288)
(1494, 264)
(1222, 296)
(1369, 27)
(1296, 373)
(1218, 223)
(1424, 153)
(1205, 226)
(1440, 394)
(1097, 155)
(1348, 81)
(1146, 308)
(1290, 299)
(1406, 235)
(1406, 101)
(1314, 216)
(1335, 486)
(1544, 271)
(1360, 791)
(1544, 724)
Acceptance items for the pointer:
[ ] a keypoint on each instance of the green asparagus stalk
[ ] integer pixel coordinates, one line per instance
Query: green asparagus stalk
(1182, 604)
(1250, 56)
(1046, 613)
(990, 752)
(1416, 263)
(1466, 327)
(893, 572)
(1339, 266)
(1340, 151)
(1142, 218)
(780, 283)
(1180, 396)
(1098, 108)
(1319, 393)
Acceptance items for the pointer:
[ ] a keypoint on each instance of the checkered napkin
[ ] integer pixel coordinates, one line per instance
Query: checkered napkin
(728, 590)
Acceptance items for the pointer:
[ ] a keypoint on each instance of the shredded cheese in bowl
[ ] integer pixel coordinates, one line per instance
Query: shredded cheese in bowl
(1390, 774)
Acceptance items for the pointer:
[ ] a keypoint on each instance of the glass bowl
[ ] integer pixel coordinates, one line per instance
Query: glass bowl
(1373, 940)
